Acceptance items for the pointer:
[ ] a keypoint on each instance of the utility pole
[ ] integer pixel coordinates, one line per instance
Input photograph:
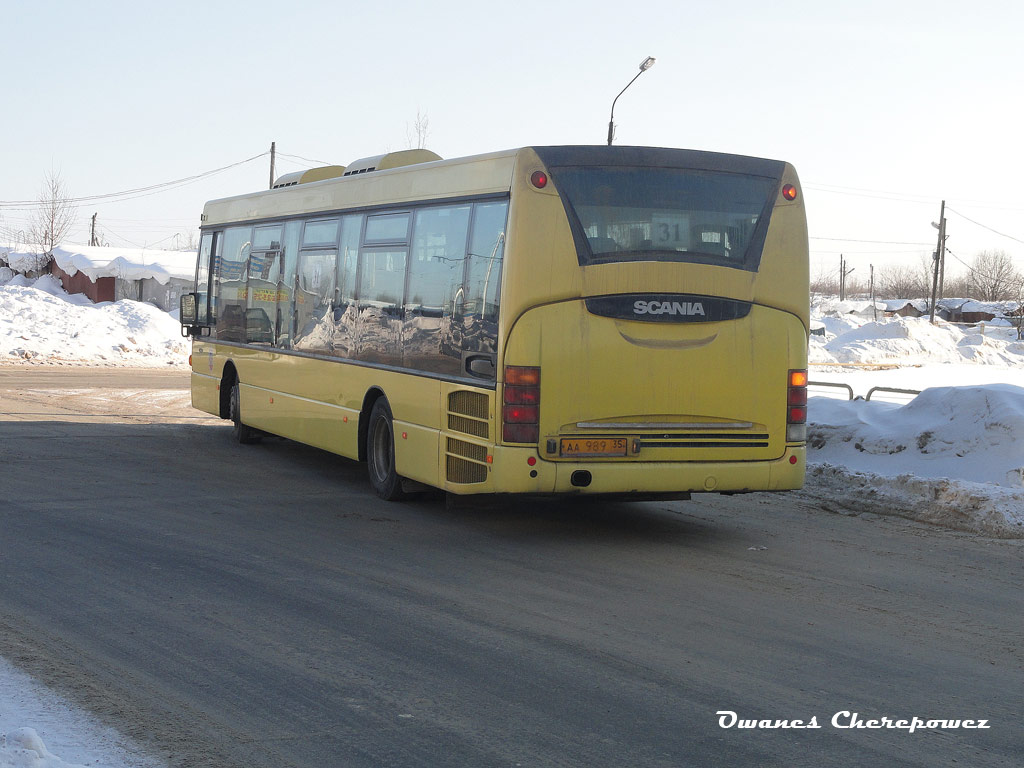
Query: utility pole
(874, 309)
(843, 272)
(938, 257)
(273, 158)
(92, 233)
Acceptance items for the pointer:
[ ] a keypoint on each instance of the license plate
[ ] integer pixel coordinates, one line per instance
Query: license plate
(593, 446)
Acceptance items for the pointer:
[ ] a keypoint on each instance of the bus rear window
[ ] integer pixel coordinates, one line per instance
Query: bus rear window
(666, 214)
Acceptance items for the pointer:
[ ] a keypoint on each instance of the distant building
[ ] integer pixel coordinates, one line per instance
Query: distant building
(905, 307)
(111, 274)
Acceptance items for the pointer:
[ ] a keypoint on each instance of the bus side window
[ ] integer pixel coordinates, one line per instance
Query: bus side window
(261, 292)
(286, 284)
(203, 272)
(230, 283)
(381, 294)
(314, 285)
(345, 310)
(314, 293)
(436, 266)
(483, 277)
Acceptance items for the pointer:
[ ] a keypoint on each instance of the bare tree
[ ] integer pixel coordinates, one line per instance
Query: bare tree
(52, 220)
(993, 276)
(185, 241)
(416, 136)
(825, 282)
(902, 282)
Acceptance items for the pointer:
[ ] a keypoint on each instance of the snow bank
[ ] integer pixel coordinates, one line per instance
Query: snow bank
(912, 341)
(40, 323)
(76, 735)
(952, 456)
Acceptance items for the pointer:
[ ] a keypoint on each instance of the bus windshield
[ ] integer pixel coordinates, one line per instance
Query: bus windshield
(666, 214)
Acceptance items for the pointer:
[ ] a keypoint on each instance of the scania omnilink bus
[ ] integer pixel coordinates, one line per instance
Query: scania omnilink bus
(544, 320)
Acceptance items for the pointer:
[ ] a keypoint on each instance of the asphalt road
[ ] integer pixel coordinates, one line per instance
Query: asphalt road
(257, 606)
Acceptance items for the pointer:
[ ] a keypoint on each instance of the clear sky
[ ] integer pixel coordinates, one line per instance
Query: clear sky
(885, 108)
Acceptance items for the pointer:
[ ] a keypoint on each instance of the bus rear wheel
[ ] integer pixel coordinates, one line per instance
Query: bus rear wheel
(380, 453)
(242, 434)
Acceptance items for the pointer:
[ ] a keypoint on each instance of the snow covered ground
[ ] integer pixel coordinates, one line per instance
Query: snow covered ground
(76, 738)
(952, 456)
(41, 324)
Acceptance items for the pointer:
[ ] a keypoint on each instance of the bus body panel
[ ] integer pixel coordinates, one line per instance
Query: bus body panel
(715, 375)
(319, 402)
(512, 474)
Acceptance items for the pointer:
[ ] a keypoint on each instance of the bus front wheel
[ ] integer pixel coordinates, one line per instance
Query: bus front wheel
(242, 434)
(380, 453)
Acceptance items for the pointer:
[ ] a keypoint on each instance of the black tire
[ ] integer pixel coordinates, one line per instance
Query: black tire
(380, 453)
(242, 434)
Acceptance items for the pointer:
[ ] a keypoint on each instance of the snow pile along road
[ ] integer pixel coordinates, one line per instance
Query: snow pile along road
(40, 323)
(913, 340)
(75, 735)
(953, 456)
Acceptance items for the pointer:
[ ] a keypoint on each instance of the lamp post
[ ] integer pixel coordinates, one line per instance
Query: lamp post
(644, 66)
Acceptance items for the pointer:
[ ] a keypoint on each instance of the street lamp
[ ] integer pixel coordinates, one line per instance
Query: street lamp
(644, 66)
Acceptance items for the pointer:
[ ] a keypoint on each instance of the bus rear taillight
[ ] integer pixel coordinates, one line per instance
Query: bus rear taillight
(796, 407)
(520, 412)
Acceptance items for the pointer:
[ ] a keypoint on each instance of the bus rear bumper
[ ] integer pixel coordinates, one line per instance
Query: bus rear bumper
(511, 472)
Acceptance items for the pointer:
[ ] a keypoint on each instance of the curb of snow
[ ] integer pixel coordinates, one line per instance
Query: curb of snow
(957, 504)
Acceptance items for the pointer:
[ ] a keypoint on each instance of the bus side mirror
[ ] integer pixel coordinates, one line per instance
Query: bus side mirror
(188, 306)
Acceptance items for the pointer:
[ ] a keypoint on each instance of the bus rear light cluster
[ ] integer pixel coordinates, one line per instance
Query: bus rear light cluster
(520, 411)
(796, 407)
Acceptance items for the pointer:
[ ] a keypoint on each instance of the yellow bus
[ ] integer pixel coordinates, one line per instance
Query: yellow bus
(544, 320)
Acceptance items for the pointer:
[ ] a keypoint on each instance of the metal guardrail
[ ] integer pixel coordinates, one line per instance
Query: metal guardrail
(847, 387)
(891, 389)
(871, 391)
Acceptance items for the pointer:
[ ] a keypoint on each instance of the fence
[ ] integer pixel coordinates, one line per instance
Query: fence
(873, 390)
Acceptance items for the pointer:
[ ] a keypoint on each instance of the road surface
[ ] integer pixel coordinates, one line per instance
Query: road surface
(236, 605)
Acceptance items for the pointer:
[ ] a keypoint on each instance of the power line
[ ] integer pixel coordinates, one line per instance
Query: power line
(908, 197)
(875, 194)
(308, 160)
(130, 194)
(880, 242)
(985, 226)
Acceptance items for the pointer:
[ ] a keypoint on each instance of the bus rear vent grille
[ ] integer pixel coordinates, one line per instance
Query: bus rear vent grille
(467, 413)
(465, 462)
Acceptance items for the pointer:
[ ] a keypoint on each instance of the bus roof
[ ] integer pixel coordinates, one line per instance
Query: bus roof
(459, 177)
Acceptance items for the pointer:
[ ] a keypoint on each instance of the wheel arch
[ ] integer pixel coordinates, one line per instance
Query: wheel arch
(373, 394)
(227, 380)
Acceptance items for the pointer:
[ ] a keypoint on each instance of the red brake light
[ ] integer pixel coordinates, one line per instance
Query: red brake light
(520, 414)
(539, 179)
(522, 395)
(796, 397)
(789, 192)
